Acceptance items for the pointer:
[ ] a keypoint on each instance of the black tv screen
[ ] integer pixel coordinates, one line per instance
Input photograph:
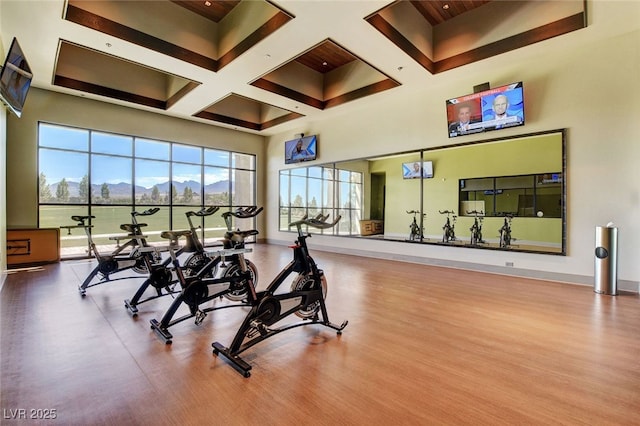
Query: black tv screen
(301, 149)
(15, 79)
(491, 109)
(415, 170)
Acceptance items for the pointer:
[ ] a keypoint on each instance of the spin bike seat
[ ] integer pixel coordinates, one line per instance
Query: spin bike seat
(174, 235)
(235, 239)
(236, 235)
(81, 218)
(131, 227)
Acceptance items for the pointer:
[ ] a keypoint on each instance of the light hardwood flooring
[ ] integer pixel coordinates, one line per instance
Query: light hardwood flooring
(424, 345)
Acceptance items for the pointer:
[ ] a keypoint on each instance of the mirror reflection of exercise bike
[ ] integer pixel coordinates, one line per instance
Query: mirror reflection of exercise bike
(505, 232)
(268, 307)
(416, 232)
(198, 282)
(449, 233)
(161, 277)
(476, 228)
(135, 254)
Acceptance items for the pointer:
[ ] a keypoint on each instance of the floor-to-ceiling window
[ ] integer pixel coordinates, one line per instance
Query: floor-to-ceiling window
(318, 189)
(91, 173)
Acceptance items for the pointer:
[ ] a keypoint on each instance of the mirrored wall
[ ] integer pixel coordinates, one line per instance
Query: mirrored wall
(497, 194)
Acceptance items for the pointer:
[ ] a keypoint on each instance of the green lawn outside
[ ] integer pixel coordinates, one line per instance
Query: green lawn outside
(108, 219)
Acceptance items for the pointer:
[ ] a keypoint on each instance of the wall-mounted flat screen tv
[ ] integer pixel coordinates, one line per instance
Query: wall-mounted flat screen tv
(491, 109)
(416, 170)
(15, 79)
(304, 148)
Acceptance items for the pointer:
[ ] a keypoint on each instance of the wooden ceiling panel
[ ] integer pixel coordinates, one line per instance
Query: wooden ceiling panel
(437, 12)
(210, 9)
(325, 57)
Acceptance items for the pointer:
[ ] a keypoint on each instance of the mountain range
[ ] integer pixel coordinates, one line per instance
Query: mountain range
(123, 189)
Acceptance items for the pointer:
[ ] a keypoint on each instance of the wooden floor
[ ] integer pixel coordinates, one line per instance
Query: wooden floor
(424, 345)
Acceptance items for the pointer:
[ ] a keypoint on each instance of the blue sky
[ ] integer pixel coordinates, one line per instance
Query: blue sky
(109, 168)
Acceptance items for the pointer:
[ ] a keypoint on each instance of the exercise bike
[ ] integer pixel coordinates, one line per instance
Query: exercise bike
(416, 232)
(505, 232)
(476, 228)
(136, 254)
(161, 277)
(305, 300)
(199, 285)
(449, 233)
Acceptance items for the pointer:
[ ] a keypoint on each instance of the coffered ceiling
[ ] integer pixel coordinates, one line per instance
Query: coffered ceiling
(257, 65)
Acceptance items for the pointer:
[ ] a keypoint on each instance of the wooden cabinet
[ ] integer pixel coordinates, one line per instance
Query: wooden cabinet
(371, 227)
(32, 246)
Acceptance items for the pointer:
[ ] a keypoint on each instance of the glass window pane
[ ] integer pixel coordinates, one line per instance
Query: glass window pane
(284, 189)
(302, 171)
(284, 219)
(156, 223)
(181, 221)
(110, 180)
(214, 228)
(356, 196)
(73, 242)
(298, 192)
(243, 161)
(344, 175)
(548, 201)
(328, 172)
(315, 172)
(107, 143)
(344, 226)
(152, 182)
(345, 195)
(506, 202)
(513, 182)
(186, 154)
(63, 137)
(61, 173)
(152, 149)
(216, 186)
(187, 180)
(242, 188)
(328, 198)
(355, 222)
(107, 224)
(314, 197)
(213, 157)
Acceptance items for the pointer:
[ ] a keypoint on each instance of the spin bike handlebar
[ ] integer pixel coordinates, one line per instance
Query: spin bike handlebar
(446, 212)
(206, 211)
(240, 213)
(147, 212)
(245, 213)
(475, 212)
(320, 221)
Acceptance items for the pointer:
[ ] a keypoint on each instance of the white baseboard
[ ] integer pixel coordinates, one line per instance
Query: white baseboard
(626, 286)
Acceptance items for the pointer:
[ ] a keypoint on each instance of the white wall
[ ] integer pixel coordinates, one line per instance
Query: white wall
(586, 81)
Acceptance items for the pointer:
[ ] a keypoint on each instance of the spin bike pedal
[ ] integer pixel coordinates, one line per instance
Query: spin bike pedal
(200, 316)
